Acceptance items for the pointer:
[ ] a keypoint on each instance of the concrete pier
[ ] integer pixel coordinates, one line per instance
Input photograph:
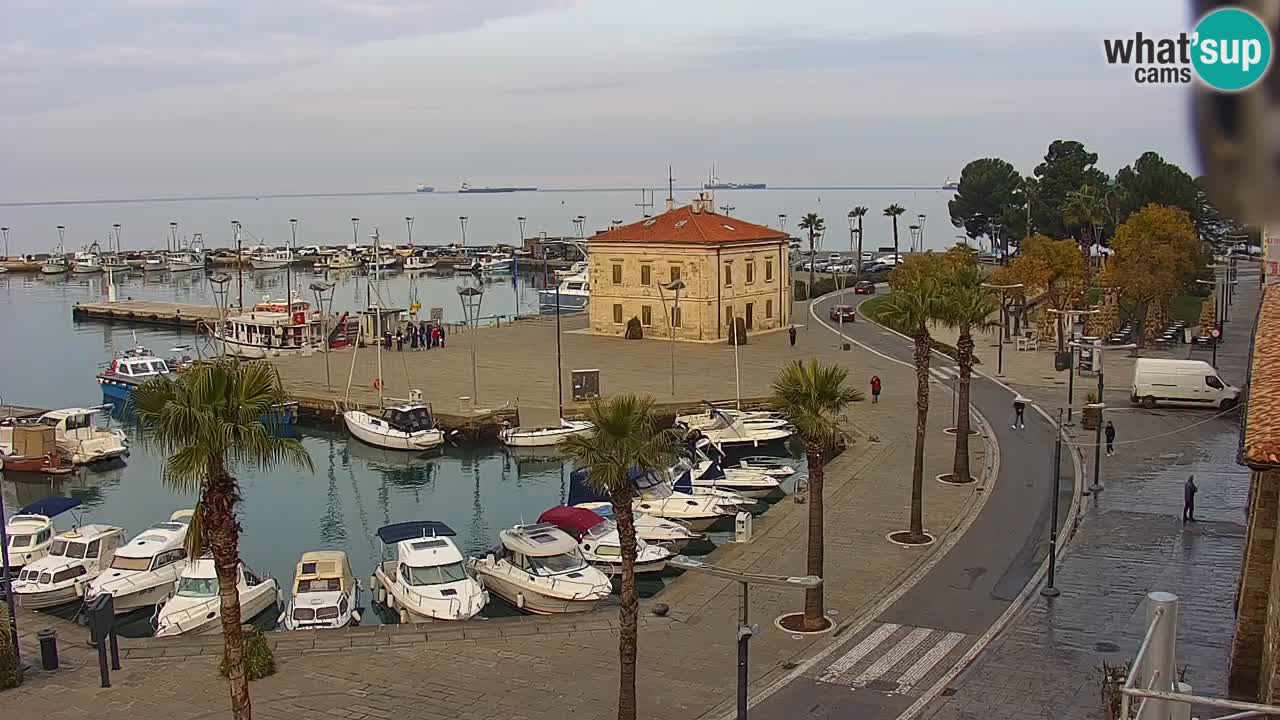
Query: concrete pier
(146, 312)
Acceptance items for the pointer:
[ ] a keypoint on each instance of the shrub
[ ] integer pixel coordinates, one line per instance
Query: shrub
(258, 660)
(10, 675)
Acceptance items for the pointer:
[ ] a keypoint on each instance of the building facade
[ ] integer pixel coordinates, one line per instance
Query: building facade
(728, 269)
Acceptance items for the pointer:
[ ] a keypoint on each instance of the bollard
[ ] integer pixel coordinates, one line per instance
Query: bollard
(48, 648)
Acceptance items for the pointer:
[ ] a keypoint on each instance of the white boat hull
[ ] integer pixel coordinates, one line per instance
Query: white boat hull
(642, 568)
(254, 352)
(183, 267)
(426, 610)
(360, 425)
(268, 264)
(53, 269)
(531, 601)
(515, 437)
(141, 598)
(207, 616)
(49, 598)
(86, 269)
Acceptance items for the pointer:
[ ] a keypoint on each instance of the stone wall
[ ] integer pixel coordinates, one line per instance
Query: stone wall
(1255, 650)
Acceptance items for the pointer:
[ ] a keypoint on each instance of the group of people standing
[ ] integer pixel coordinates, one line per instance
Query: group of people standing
(421, 335)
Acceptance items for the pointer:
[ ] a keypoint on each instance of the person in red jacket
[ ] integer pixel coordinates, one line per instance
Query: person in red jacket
(875, 389)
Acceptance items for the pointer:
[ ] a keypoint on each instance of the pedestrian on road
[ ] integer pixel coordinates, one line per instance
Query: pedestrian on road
(399, 339)
(1111, 439)
(1019, 408)
(791, 333)
(875, 389)
(1189, 500)
(424, 335)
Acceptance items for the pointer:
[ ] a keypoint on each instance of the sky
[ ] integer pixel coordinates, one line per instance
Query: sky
(147, 98)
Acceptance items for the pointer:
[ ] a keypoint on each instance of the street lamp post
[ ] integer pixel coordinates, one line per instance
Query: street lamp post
(920, 221)
(1100, 405)
(1050, 590)
(782, 222)
(1070, 344)
(235, 225)
(288, 265)
(219, 281)
(320, 288)
(1003, 323)
(674, 286)
(916, 238)
(408, 223)
(5, 230)
(471, 298)
(463, 220)
(521, 220)
(745, 631)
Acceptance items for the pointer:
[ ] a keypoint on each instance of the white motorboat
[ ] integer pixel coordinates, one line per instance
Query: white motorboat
(725, 430)
(751, 419)
(418, 261)
(155, 263)
(768, 465)
(75, 558)
(270, 329)
(194, 607)
(650, 528)
(129, 369)
(55, 265)
(403, 427)
(428, 580)
(708, 472)
(660, 496)
(383, 263)
(497, 263)
(267, 259)
(572, 294)
(115, 264)
(87, 262)
(326, 594)
(578, 268)
(143, 572)
(599, 542)
(80, 437)
(30, 530)
(540, 435)
(340, 260)
(185, 260)
(471, 265)
(539, 569)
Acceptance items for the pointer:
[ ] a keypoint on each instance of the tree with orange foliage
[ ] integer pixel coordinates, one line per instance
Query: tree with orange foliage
(1052, 267)
(1153, 254)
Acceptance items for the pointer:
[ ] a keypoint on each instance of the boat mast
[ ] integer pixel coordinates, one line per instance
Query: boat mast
(378, 315)
(288, 272)
(559, 369)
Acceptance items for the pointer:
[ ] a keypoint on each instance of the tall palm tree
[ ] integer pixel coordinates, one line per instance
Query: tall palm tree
(859, 212)
(911, 310)
(893, 211)
(814, 225)
(1087, 208)
(967, 306)
(626, 440)
(812, 396)
(209, 420)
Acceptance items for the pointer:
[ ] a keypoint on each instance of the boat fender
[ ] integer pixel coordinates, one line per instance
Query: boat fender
(382, 596)
(355, 617)
(373, 582)
(520, 600)
(79, 588)
(391, 601)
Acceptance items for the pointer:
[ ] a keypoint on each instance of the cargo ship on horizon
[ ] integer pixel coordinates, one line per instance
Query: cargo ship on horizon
(466, 188)
(714, 183)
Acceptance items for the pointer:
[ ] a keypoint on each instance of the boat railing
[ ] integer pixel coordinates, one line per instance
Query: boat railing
(455, 603)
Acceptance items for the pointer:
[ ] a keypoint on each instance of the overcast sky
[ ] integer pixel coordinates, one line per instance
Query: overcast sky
(139, 98)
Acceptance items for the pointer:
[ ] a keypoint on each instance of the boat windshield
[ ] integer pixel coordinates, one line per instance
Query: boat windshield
(68, 549)
(436, 574)
(20, 541)
(320, 585)
(558, 564)
(121, 562)
(197, 587)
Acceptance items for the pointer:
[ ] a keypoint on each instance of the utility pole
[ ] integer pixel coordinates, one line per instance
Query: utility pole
(1050, 590)
(645, 207)
(235, 224)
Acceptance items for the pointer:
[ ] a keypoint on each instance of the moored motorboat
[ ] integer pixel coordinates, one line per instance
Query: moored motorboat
(750, 419)
(268, 259)
(418, 261)
(658, 494)
(55, 265)
(729, 431)
(30, 530)
(127, 371)
(650, 528)
(599, 542)
(428, 579)
(538, 435)
(410, 426)
(74, 559)
(79, 436)
(144, 571)
(573, 293)
(326, 594)
(194, 608)
(539, 569)
(27, 445)
(87, 262)
(708, 472)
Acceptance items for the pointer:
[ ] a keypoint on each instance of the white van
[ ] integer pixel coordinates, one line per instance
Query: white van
(1188, 383)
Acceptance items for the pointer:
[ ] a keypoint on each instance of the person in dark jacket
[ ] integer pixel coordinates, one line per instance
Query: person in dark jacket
(875, 389)
(791, 333)
(1111, 439)
(399, 339)
(1189, 491)
(1019, 413)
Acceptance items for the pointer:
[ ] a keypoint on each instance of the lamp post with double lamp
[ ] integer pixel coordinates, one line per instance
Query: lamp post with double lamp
(745, 631)
(920, 221)
(1072, 318)
(1101, 405)
(471, 298)
(675, 286)
(1219, 311)
(1003, 322)
(916, 238)
(320, 289)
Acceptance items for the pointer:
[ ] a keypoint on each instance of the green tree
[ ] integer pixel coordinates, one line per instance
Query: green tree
(626, 439)
(1054, 267)
(208, 420)
(1086, 209)
(1153, 256)
(814, 224)
(989, 196)
(1066, 167)
(1150, 179)
(859, 212)
(966, 306)
(813, 396)
(893, 211)
(911, 310)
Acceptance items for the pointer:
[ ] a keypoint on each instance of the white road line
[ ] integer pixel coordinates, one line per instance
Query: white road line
(916, 672)
(859, 651)
(893, 657)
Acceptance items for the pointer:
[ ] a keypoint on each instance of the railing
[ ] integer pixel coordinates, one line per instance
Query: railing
(1162, 696)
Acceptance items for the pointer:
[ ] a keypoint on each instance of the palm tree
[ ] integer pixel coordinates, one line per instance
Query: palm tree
(893, 211)
(812, 396)
(209, 420)
(967, 306)
(814, 225)
(910, 310)
(626, 440)
(1086, 207)
(859, 212)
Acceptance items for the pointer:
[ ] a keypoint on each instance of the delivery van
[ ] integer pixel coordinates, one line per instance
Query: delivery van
(1185, 383)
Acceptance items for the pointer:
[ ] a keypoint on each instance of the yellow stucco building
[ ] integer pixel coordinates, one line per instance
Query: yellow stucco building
(728, 267)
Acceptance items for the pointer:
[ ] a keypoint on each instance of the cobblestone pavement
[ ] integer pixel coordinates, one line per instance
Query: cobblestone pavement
(1131, 541)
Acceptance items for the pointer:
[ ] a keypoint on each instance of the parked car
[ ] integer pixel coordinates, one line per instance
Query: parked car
(309, 251)
(878, 267)
(864, 287)
(843, 313)
(890, 259)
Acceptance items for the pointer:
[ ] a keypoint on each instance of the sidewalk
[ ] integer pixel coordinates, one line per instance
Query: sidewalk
(1131, 541)
(554, 668)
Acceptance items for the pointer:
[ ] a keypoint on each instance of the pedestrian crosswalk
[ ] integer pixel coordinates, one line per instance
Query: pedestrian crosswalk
(897, 658)
(944, 374)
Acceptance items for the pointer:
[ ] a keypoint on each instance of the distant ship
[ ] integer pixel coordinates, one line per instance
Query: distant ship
(950, 185)
(466, 188)
(426, 188)
(717, 185)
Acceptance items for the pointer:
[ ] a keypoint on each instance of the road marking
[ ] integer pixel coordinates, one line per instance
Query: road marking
(880, 667)
(851, 658)
(916, 672)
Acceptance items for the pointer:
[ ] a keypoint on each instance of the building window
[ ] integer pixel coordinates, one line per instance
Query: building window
(646, 315)
(617, 274)
(617, 312)
(751, 312)
(728, 274)
(768, 309)
(728, 316)
(675, 273)
(646, 275)
(768, 270)
(751, 271)
(676, 320)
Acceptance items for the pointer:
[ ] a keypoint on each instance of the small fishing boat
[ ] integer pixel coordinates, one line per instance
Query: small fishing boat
(128, 370)
(599, 543)
(470, 265)
(155, 263)
(534, 434)
(194, 608)
(144, 571)
(539, 569)
(340, 260)
(55, 265)
(30, 530)
(185, 260)
(750, 419)
(32, 447)
(326, 594)
(428, 579)
(418, 261)
(88, 262)
(80, 437)
(410, 426)
(383, 263)
(74, 559)
(650, 528)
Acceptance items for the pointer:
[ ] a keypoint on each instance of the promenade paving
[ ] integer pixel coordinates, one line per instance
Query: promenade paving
(561, 667)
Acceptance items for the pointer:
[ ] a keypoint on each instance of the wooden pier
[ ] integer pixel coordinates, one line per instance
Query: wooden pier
(146, 312)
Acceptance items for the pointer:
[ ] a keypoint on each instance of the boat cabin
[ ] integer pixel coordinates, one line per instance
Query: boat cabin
(322, 571)
(267, 331)
(543, 550)
(138, 366)
(375, 321)
(74, 554)
(407, 418)
(73, 424)
(159, 546)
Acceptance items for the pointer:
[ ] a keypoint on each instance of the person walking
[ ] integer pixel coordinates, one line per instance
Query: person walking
(1189, 491)
(1111, 439)
(1019, 413)
(424, 334)
(791, 333)
(399, 339)
(413, 336)
(875, 389)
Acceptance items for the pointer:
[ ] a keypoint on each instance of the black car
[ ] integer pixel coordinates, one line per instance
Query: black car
(864, 287)
(844, 313)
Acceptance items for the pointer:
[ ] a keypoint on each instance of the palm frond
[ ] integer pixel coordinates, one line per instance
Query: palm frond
(626, 437)
(812, 396)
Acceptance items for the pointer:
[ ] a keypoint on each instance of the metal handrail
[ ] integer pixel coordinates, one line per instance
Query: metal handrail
(1142, 650)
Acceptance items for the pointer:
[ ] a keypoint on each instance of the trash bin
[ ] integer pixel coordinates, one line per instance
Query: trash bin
(48, 648)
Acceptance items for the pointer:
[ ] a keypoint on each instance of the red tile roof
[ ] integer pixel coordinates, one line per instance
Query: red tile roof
(684, 226)
(1262, 424)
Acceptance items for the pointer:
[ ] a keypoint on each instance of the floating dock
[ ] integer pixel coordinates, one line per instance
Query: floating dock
(146, 312)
